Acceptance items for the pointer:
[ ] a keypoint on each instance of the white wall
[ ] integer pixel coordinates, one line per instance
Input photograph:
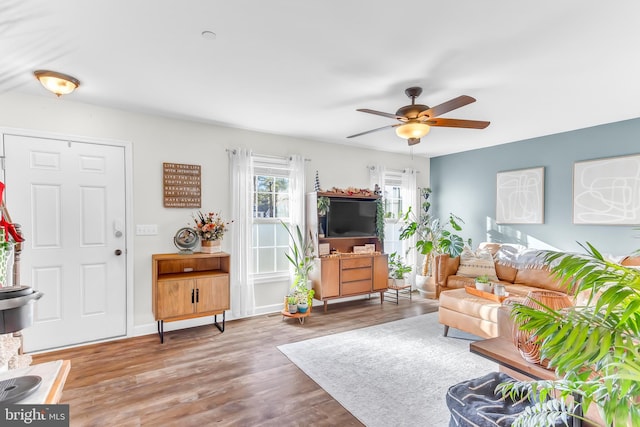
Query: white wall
(157, 139)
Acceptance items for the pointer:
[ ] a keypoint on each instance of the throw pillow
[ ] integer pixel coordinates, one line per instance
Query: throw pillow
(479, 263)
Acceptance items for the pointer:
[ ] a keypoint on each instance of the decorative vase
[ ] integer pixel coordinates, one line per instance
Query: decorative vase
(211, 246)
(527, 343)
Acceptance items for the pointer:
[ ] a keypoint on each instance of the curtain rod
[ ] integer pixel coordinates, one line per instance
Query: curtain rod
(270, 156)
(393, 170)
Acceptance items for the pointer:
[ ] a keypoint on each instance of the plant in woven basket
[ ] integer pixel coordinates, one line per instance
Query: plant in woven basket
(432, 236)
(594, 348)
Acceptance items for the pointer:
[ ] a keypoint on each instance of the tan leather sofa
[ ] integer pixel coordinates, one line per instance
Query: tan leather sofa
(479, 316)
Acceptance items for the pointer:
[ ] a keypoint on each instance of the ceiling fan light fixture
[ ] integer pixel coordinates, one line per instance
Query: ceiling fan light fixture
(58, 83)
(413, 130)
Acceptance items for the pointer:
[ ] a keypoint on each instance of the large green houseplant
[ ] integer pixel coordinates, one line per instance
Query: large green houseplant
(594, 348)
(301, 257)
(433, 236)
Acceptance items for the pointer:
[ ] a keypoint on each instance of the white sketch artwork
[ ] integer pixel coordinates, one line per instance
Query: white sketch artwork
(607, 191)
(520, 196)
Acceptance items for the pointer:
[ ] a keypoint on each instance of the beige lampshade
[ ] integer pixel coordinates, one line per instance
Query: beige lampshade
(58, 83)
(412, 130)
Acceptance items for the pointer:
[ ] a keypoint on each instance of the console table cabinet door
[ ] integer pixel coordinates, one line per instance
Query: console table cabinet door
(174, 298)
(213, 294)
(380, 272)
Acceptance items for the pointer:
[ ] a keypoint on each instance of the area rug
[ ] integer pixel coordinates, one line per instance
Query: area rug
(394, 374)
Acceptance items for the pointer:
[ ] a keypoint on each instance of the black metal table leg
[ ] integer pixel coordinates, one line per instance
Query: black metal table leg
(215, 321)
(161, 330)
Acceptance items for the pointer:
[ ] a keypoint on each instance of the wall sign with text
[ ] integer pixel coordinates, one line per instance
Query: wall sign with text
(182, 185)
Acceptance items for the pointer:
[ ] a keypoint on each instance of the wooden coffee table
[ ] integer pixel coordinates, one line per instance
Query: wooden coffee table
(503, 352)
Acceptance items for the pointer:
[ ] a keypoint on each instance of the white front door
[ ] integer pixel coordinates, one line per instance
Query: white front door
(69, 198)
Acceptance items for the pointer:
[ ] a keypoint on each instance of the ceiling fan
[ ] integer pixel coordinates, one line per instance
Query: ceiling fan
(416, 119)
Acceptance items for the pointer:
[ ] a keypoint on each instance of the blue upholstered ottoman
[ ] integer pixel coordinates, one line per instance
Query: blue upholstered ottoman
(474, 403)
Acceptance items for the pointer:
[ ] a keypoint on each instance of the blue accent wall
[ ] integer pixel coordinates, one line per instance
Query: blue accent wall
(465, 184)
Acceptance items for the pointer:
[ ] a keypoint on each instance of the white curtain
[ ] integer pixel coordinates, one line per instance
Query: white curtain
(376, 176)
(409, 196)
(297, 191)
(242, 291)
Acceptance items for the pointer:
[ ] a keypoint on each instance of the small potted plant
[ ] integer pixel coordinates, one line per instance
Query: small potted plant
(304, 298)
(292, 305)
(483, 284)
(397, 270)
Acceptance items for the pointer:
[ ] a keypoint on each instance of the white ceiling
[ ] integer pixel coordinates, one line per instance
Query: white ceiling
(301, 68)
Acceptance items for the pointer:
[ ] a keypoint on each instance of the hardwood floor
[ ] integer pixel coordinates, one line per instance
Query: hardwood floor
(201, 377)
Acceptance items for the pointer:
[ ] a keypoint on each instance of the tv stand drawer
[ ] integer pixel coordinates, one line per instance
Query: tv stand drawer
(355, 288)
(356, 262)
(356, 274)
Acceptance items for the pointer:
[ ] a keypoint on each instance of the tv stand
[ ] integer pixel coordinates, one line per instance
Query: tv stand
(345, 275)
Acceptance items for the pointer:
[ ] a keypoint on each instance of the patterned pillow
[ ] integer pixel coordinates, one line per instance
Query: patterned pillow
(477, 264)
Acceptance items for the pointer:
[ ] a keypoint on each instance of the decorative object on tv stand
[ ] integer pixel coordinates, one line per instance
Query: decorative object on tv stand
(317, 183)
(598, 338)
(211, 228)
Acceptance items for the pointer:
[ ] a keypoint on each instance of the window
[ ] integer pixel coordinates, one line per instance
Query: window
(393, 211)
(271, 204)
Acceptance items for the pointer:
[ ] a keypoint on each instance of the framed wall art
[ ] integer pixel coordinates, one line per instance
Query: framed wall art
(520, 196)
(607, 191)
(181, 185)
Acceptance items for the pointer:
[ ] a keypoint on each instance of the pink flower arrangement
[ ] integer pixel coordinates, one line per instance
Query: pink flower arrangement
(210, 226)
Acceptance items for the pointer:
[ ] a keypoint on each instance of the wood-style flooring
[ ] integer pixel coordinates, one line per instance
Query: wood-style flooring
(201, 377)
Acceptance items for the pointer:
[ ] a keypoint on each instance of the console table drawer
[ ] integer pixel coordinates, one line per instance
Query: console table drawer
(356, 262)
(358, 287)
(356, 274)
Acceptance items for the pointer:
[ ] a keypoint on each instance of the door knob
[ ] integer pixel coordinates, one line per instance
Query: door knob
(118, 252)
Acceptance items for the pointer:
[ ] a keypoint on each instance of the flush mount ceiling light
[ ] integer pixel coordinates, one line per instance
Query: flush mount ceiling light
(58, 83)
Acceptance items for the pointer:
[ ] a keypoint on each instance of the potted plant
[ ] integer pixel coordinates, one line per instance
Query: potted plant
(301, 258)
(211, 228)
(483, 283)
(593, 347)
(397, 270)
(432, 236)
(304, 298)
(292, 305)
(323, 207)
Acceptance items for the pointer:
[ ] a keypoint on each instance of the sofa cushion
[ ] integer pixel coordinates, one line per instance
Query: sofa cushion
(506, 273)
(539, 278)
(479, 263)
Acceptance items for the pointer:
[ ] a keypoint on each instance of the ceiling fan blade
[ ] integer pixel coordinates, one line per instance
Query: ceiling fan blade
(413, 141)
(374, 130)
(445, 107)
(380, 113)
(457, 123)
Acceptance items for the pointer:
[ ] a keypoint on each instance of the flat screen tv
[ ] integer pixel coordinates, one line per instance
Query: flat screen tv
(351, 218)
